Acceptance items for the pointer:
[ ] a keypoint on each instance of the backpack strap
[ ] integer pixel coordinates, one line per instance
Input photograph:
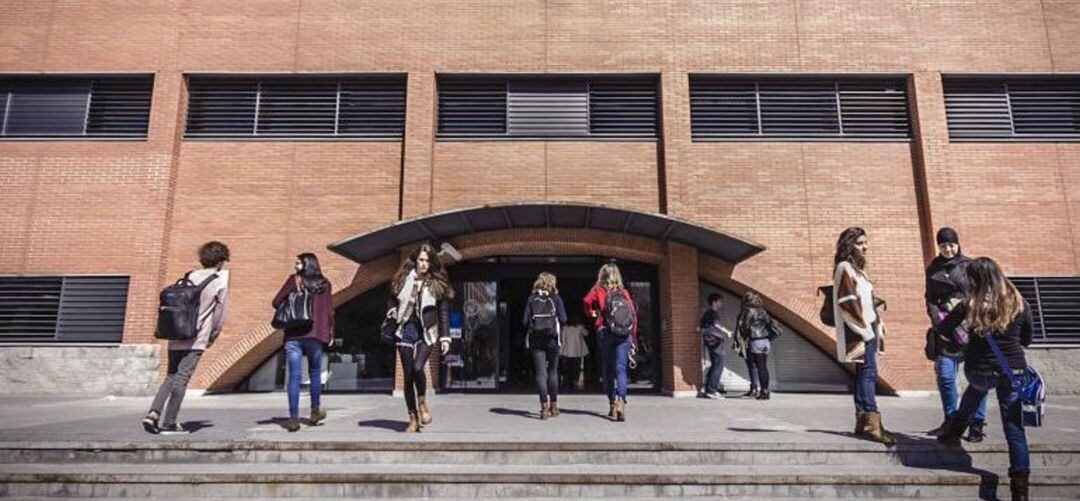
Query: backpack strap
(205, 282)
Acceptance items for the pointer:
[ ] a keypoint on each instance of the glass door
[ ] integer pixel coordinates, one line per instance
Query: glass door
(474, 360)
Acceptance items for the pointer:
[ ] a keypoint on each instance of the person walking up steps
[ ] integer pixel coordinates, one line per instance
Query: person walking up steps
(307, 341)
(211, 283)
(610, 306)
(544, 318)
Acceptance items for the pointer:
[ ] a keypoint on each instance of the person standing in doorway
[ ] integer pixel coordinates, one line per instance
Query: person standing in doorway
(946, 284)
(610, 306)
(715, 338)
(421, 304)
(544, 318)
(756, 330)
(308, 342)
(859, 329)
(184, 355)
(1000, 322)
(573, 351)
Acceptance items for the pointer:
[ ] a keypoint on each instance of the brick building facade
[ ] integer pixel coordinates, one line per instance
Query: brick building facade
(140, 208)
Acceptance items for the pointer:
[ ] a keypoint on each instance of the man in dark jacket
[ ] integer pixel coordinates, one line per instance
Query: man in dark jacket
(713, 336)
(946, 283)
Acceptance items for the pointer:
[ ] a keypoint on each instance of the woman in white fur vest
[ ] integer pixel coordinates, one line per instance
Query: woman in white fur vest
(421, 303)
(859, 329)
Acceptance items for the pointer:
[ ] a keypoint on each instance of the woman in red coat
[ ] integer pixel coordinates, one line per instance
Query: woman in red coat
(612, 309)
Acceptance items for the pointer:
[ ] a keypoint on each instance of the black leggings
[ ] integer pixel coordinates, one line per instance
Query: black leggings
(546, 371)
(763, 369)
(413, 361)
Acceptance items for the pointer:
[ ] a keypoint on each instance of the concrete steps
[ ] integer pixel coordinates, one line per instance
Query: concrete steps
(428, 469)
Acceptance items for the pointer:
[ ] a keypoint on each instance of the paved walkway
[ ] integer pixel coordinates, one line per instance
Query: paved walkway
(788, 418)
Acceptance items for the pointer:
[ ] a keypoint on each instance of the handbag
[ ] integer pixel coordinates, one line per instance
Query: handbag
(388, 330)
(294, 314)
(827, 314)
(1029, 387)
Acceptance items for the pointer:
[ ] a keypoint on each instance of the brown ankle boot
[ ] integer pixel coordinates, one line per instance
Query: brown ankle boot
(414, 424)
(611, 409)
(875, 431)
(860, 423)
(620, 410)
(425, 413)
(317, 415)
(553, 408)
(545, 409)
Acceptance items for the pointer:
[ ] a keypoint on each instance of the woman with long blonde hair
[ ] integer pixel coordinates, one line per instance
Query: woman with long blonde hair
(993, 308)
(420, 302)
(612, 309)
(545, 315)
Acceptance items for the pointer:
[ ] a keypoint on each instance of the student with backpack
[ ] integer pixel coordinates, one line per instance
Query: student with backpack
(1000, 323)
(190, 317)
(756, 330)
(545, 315)
(308, 337)
(610, 306)
(714, 337)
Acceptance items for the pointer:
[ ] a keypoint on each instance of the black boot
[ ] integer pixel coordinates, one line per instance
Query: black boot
(763, 395)
(936, 432)
(753, 393)
(1018, 486)
(951, 436)
(975, 432)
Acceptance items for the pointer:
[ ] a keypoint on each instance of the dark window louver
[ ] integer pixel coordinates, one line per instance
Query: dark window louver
(1055, 303)
(551, 108)
(83, 309)
(296, 107)
(75, 107)
(1019, 108)
(798, 108)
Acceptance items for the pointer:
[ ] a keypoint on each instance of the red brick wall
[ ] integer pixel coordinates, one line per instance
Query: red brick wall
(130, 207)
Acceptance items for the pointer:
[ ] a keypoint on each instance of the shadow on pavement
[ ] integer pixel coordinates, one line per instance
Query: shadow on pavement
(503, 411)
(753, 430)
(194, 426)
(386, 424)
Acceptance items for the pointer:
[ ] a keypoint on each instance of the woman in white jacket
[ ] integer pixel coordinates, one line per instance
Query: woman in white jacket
(859, 329)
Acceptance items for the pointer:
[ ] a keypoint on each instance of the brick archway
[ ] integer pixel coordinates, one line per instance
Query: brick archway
(680, 268)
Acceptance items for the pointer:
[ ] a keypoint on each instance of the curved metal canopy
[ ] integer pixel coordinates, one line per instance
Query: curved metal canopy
(444, 225)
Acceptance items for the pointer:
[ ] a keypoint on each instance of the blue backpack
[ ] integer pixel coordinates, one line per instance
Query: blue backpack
(1029, 386)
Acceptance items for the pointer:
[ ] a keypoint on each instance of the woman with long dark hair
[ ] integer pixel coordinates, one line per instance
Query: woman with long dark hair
(610, 306)
(307, 342)
(993, 307)
(859, 329)
(420, 302)
(756, 330)
(544, 318)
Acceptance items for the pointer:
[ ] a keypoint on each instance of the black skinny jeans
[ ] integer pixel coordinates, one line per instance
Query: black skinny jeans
(413, 360)
(545, 359)
(763, 369)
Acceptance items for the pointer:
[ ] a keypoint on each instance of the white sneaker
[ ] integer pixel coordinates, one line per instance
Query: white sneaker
(714, 395)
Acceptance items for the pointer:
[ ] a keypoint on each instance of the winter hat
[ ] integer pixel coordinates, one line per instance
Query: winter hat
(948, 235)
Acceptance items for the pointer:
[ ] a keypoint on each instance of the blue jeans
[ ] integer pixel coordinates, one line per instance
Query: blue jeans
(752, 372)
(866, 379)
(946, 368)
(614, 352)
(295, 350)
(716, 368)
(1012, 417)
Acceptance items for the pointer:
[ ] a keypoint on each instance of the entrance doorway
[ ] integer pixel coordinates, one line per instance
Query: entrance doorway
(488, 353)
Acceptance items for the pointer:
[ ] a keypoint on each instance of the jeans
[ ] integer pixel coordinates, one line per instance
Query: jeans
(716, 368)
(545, 359)
(752, 372)
(295, 350)
(866, 379)
(181, 366)
(571, 367)
(1012, 417)
(761, 362)
(946, 368)
(614, 351)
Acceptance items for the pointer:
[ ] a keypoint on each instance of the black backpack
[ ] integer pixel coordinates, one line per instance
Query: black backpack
(178, 309)
(543, 319)
(618, 315)
(827, 315)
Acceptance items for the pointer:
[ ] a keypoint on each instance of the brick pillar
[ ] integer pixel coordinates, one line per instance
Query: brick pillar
(416, 157)
(680, 346)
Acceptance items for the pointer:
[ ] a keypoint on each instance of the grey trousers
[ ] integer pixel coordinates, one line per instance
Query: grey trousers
(181, 366)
